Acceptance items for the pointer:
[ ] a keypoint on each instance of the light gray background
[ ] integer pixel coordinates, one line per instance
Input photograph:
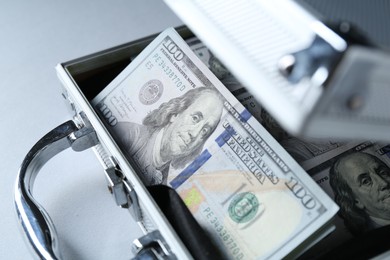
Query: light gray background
(35, 36)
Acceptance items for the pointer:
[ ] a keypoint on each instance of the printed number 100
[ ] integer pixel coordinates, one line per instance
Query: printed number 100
(173, 49)
(300, 193)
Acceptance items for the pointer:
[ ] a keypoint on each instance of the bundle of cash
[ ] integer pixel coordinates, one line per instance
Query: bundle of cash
(180, 126)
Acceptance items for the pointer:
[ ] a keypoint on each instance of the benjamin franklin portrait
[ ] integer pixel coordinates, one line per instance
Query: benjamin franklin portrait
(171, 135)
(361, 184)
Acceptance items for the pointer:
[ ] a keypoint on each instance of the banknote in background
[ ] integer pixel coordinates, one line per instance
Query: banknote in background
(178, 125)
(357, 176)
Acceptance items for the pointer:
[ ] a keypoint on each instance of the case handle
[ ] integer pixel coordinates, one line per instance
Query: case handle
(35, 222)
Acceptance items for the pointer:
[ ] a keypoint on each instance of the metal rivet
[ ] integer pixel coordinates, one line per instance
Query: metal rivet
(355, 102)
(345, 27)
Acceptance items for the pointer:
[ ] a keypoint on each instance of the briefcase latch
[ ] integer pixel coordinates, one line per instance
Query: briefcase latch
(123, 193)
(150, 246)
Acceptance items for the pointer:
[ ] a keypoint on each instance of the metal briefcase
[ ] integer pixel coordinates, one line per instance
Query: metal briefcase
(82, 79)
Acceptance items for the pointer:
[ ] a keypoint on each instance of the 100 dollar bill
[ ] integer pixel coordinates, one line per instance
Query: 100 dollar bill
(357, 176)
(179, 126)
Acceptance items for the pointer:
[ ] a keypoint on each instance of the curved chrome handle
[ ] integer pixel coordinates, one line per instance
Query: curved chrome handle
(35, 222)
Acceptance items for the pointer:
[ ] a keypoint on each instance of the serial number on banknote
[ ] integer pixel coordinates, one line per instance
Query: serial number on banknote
(223, 233)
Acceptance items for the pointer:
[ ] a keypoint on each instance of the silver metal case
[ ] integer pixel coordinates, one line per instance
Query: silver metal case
(81, 79)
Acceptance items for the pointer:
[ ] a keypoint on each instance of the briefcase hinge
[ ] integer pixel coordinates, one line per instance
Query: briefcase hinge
(317, 61)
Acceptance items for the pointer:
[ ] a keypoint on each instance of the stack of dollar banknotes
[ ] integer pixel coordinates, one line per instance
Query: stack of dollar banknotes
(184, 121)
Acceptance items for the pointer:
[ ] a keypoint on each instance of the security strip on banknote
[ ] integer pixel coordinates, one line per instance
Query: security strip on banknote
(180, 126)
